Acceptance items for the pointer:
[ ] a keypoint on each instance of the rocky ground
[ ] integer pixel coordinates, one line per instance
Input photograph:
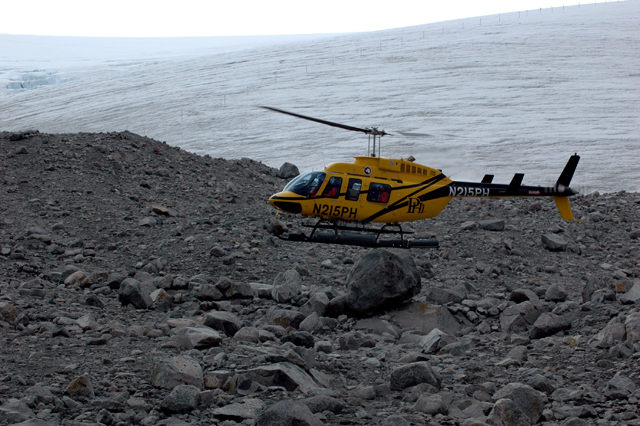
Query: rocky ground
(139, 284)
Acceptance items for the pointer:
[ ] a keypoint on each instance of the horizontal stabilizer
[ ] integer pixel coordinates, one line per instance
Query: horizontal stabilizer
(487, 179)
(564, 207)
(567, 173)
(514, 186)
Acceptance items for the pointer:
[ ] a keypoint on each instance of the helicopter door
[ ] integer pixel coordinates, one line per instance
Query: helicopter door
(353, 190)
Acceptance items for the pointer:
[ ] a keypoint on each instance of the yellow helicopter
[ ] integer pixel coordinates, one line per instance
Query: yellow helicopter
(346, 197)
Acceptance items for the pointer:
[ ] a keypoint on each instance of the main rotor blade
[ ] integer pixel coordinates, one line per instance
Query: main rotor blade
(429, 135)
(317, 120)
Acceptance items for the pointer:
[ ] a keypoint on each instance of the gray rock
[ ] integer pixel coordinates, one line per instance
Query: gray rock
(284, 374)
(632, 295)
(224, 322)
(634, 235)
(492, 224)
(180, 370)
(79, 279)
(286, 318)
(287, 413)
(337, 306)
(382, 278)
(506, 412)
(311, 323)
(182, 399)
(396, 420)
(196, 338)
(469, 226)
(299, 338)
(286, 286)
(540, 383)
(632, 327)
(444, 296)
(136, 293)
(317, 303)
(622, 383)
(14, 411)
(287, 171)
(413, 374)
(239, 291)
(80, 387)
(321, 403)
(249, 408)
(535, 207)
(556, 293)
(614, 332)
(432, 404)
(378, 326)
(426, 317)
(528, 400)
(520, 295)
(435, 340)
(162, 301)
(247, 334)
(554, 242)
(548, 324)
(207, 292)
(518, 318)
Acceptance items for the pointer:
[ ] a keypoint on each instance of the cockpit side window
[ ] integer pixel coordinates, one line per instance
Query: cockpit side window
(332, 189)
(353, 190)
(307, 184)
(379, 192)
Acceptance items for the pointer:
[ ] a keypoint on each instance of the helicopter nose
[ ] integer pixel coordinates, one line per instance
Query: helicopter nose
(277, 201)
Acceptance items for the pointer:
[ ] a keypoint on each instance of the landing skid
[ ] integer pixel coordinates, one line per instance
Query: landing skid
(357, 236)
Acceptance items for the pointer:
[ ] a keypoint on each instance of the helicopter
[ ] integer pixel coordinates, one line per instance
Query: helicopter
(347, 197)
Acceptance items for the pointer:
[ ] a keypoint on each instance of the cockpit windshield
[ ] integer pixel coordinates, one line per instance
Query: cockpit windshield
(307, 184)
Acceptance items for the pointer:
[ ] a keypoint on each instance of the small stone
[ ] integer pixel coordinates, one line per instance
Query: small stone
(492, 224)
(554, 242)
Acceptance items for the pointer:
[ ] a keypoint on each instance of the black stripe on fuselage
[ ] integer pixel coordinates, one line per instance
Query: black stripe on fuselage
(403, 202)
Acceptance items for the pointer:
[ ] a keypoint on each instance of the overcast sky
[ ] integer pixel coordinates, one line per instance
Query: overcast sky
(188, 18)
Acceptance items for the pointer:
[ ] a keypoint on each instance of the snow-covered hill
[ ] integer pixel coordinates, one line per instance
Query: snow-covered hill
(518, 92)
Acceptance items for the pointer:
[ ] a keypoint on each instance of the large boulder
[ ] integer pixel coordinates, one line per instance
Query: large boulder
(288, 170)
(382, 279)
